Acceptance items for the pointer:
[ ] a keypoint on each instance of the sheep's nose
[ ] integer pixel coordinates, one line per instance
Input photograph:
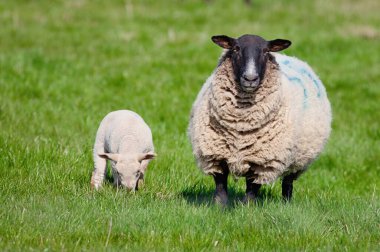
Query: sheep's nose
(250, 78)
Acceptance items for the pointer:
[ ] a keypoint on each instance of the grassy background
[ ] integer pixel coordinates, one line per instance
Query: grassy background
(65, 64)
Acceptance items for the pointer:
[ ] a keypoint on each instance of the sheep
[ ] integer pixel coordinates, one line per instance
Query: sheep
(126, 140)
(260, 115)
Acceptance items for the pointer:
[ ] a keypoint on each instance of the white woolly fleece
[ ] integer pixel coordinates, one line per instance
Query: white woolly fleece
(279, 129)
(123, 131)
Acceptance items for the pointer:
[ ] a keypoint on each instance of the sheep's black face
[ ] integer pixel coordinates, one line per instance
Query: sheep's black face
(249, 54)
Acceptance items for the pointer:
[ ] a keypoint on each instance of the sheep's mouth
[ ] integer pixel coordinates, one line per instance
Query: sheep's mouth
(249, 89)
(249, 86)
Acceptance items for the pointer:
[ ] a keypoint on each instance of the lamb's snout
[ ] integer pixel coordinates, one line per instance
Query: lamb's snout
(130, 185)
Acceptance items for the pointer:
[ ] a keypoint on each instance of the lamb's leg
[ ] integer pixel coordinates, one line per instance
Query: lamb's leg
(98, 174)
(221, 196)
(252, 190)
(287, 185)
(143, 167)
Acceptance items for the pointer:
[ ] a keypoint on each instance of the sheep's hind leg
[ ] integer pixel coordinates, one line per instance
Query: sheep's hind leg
(287, 185)
(221, 195)
(252, 190)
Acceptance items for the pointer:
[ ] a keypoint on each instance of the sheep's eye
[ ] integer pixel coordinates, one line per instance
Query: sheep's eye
(236, 49)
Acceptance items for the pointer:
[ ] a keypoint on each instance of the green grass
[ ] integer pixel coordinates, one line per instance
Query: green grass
(65, 64)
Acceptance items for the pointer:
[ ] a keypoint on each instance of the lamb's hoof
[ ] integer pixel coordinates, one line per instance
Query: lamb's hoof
(94, 187)
(221, 199)
(249, 198)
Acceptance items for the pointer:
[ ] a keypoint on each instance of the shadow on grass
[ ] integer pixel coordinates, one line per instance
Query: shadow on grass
(199, 196)
(108, 178)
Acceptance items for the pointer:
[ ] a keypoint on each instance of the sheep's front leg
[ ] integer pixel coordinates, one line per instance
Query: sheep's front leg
(287, 185)
(252, 190)
(98, 174)
(221, 196)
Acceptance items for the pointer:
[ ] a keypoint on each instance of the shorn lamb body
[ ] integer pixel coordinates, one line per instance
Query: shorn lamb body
(260, 115)
(126, 140)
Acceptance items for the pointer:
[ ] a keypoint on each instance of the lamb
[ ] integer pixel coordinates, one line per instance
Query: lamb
(126, 140)
(260, 115)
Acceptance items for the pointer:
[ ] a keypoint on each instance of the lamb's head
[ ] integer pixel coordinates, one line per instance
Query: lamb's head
(128, 167)
(249, 55)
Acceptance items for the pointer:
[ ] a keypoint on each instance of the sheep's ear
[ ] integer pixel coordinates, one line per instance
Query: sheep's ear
(144, 156)
(224, 41)
(109, 156)
(278, 45)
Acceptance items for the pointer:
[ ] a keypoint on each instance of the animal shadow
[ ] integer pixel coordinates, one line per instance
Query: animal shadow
(198, 195)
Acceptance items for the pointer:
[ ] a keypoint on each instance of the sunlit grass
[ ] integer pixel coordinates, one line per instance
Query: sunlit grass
(65, 64)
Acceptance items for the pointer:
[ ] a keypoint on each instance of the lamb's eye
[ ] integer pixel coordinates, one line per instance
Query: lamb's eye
(236, 49)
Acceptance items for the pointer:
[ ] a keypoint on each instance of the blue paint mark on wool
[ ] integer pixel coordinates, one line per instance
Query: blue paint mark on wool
(299, 69)
(315, 81)
(298, 81)
(294, 79)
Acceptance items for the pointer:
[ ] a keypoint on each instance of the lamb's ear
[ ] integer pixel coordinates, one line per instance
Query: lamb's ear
(110, 156)
(278, 45)
(144, 156)
(224, 41)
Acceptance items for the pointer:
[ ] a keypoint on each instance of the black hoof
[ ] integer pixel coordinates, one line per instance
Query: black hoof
(286, 199)
(221, 199)
(249, 198)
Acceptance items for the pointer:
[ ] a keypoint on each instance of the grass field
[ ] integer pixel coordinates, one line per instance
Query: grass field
(65, 64)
